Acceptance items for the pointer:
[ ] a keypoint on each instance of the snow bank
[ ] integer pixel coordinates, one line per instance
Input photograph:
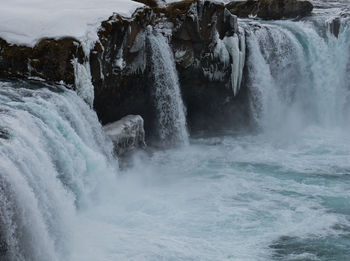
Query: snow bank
(25, 22)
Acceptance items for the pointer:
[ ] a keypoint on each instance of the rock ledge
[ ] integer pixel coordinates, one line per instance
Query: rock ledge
(127, 133)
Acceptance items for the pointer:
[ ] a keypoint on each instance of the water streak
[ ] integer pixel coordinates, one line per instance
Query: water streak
(170, 108)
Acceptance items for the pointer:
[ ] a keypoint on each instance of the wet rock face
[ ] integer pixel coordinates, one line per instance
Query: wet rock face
(119, 69)
(335, 24)
(205, 78)
(4, 134)
(3, 248)
(243, 8)
(271, 9)
(121, 63)
(277, 9)
(211, 106)
(127, 134)
(50, 60)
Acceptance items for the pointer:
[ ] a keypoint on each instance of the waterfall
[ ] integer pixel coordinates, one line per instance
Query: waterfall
(83, 81)
(297, 74)
(169, 105)
(54, 157)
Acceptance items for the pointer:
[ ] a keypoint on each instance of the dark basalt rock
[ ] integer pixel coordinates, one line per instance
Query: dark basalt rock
(50, 59)
(121, 69)
(4, 134)
(271, 9)
(3, 248)
(243, 8)
(334, 26)
(336, 23)
(210, 102)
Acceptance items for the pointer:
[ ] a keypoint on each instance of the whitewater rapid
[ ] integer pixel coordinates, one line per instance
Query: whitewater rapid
(228, 198)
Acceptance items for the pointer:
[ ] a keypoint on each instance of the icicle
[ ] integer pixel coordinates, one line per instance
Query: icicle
(231, 50)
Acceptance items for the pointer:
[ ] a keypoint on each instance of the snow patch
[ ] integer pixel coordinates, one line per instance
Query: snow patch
(25, 22)
(119, 62)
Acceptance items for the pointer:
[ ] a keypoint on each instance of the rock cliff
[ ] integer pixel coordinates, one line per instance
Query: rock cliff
(209, 49)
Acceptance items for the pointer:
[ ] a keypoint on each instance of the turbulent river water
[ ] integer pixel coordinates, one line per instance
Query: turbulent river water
(279, 193)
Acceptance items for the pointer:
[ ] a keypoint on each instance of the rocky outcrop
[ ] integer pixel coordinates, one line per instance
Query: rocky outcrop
(50, 60)
(209, 50)
(335, 24)
(119, 69)
(271, 9)
(4, 134)
(127, 134)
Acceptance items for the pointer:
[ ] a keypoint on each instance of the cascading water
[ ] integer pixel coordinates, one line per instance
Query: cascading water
(170, 108)
(53, 157)
(83, 81)
(298, 71)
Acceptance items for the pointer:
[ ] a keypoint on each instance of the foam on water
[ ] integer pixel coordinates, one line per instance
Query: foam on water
(227, 198)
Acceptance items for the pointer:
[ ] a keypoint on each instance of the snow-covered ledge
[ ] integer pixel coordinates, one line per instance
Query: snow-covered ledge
(26, 22)
(127, 133)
